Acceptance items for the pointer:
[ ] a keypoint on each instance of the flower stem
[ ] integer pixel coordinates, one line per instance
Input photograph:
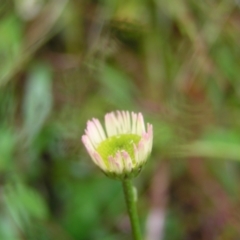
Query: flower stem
(132, 209)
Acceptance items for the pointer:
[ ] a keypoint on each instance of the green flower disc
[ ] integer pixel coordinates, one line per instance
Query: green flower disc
(112, 145)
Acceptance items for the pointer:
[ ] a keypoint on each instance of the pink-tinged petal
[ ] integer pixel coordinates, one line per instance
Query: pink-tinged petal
(111, 164)
(125, 122)
(99, 161)
(136, 155)
(116, 123)
(111, 124)
(134, 123)
(140, 124)
(124, 125)
(99, 128)
(127, 161)
(108, 125)
(150, 129)
(87, 143)
(150, 133)
(119, 159)
(93, 133)
(128, 119)
(93, 154)
(148, 136)
(142, 153)
(115, 165)
(127, 125)
(121, 125)
(91, 139)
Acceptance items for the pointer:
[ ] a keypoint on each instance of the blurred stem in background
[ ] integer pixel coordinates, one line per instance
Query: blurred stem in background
(131, 199)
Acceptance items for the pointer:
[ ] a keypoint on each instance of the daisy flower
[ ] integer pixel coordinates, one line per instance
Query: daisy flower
(122, 148)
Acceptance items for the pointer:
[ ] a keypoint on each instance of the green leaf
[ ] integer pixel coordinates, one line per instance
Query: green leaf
(7, 143)
(117, 86)
(24, 204)
(10, 44)
(38, 99)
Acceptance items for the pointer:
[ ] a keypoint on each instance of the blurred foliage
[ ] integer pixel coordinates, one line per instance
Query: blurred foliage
(63, 62)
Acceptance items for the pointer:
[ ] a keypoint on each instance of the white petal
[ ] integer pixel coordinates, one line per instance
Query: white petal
(99, 161)
(115, 164)
(111, 124)
(93, 133)
(128, 122)
(134, 123)
(127, 161)
(87, 143)
(99, 128)
(142, 151)
(140, 124)
(125, 121)
(117, 123)
(150, 137)
(136, 155)
(119, 161)
(121, 125)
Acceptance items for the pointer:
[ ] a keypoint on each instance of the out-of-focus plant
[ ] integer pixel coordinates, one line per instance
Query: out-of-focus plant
(62, 62)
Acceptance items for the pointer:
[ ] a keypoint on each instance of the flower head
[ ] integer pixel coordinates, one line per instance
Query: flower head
(123, 148)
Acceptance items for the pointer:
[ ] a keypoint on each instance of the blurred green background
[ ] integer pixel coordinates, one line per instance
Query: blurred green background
(63, 62)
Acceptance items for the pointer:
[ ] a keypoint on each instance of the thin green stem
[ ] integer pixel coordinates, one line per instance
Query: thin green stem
(131, 199)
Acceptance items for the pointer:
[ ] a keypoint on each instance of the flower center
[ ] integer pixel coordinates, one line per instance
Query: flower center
(112, 145)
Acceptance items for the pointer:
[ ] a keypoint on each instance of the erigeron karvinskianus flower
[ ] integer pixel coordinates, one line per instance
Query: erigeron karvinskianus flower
(123, 148)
